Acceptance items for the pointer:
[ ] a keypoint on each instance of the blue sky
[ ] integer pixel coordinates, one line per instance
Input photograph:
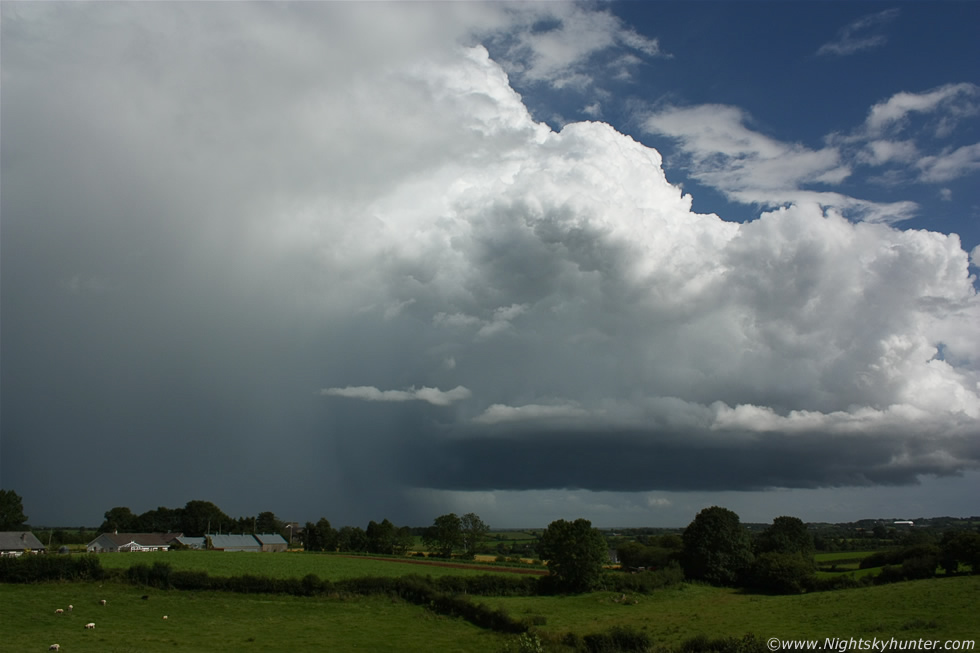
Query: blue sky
(535, 261)
(804, 74)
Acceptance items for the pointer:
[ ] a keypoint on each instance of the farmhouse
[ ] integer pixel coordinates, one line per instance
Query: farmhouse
(131, 542)
(15, 543)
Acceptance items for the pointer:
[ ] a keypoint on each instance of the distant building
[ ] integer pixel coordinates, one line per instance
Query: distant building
(191, 542)
(904, 523)
(16, 543)
(272, 543)
(233, 543)
(131, 542)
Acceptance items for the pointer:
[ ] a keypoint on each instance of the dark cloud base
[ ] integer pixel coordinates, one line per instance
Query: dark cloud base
(643, 461)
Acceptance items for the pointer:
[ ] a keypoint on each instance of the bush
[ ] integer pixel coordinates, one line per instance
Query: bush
(40, 568)
(702, 644)
(645, 582)
(621, 639)
(781, 573)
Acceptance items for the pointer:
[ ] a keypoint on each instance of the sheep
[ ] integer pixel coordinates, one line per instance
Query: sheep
(90, 626)
(164, 617)
(54, 647)
(59, 611)
(102, 602)
(70, 608)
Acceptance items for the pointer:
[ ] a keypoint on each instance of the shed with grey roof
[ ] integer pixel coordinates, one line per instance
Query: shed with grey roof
(15, 543)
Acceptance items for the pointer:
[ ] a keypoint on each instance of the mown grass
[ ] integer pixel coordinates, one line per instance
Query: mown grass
(283, 565)
(222, 621)
(936, 608)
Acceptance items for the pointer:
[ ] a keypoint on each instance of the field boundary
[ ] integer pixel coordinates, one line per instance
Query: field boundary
(457, 565)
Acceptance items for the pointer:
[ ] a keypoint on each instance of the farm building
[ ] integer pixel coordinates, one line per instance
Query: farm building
(246, 542)
(233, 543)
(14, 543)
(131, 542)
(191, 542)
(272, 542)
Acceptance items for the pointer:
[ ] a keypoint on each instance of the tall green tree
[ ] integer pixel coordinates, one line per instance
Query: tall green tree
(381, 537)
(575, 553)
(445, 535)
(717, 548)
(12, 517)
(267, 522)
(352, 538)
(474, 530)
(119, 519)
(786, 535)
(199, 516)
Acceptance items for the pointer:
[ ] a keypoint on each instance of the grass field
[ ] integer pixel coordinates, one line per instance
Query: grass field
(937, 609)
(213, 621)
(283, 565)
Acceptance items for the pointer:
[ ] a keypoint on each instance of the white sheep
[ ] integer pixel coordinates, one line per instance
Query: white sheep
(59, 611)
(90, 626)
(70, 608)
(165, 617)
(54, 647)
(102, 602)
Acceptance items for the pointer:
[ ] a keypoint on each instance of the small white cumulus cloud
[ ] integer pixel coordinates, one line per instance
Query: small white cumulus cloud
(498, 413)
(434, 396)
(865, 33)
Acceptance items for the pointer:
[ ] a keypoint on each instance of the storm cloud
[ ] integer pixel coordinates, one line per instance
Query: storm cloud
(326, 247)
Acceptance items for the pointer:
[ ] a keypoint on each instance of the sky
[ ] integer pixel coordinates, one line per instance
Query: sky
(536, 261)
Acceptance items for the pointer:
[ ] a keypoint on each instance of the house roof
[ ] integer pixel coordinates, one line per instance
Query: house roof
(233, 541)
(143, 539)
(18, 541)
(274, 538)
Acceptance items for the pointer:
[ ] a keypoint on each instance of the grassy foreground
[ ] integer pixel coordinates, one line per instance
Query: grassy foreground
(936, 609)
(222, 621)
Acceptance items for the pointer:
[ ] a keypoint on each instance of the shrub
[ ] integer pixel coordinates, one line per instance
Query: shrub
(621, 639)
(782, 573)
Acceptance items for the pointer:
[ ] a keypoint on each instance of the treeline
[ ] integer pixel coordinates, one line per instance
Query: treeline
(715, 548)
(195, 519)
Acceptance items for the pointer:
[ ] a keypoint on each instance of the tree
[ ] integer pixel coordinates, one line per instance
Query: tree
(381, 537)
(960, 547)
(786, 535)
(782, 572)
(473, 531)
(12, 517)
(200, 516)
(267, 522)
(352, 538)
(445, 534)
(119, 519)
(716, 547)
(575, 553)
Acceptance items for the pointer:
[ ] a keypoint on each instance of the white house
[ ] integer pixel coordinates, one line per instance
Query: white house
(131, 542)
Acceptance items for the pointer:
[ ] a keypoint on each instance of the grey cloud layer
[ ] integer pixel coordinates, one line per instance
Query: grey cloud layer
(212, 214)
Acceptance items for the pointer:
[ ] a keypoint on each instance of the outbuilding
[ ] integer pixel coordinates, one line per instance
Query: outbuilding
(16, 543)
(272, 543)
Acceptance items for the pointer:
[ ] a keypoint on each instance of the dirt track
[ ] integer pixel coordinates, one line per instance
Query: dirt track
(458, 565)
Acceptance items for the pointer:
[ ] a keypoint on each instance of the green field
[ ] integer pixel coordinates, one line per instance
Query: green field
(941, 608)
(284, 565)
(221, 621)
(937, 608)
